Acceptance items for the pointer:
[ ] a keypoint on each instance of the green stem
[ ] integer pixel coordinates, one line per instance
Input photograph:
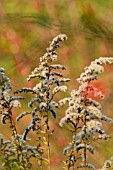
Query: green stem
(85, 142)
(16, 139)
(73, 144)
(48, 143)
(49, 156)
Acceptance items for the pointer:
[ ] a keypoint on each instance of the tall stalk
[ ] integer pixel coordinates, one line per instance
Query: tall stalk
(50, 82)
(7, 103)
(84, 108)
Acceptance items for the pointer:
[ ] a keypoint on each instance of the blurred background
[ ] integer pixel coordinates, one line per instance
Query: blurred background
(27, 26)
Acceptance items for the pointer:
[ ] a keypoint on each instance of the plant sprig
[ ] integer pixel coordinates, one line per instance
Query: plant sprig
(85, 115)
(50, 83)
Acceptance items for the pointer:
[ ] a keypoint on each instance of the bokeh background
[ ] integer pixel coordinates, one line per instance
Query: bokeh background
(27, 26)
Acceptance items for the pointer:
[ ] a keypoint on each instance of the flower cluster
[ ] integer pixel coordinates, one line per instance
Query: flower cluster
(94, 69)
(47, 58)
(7, 101)
(14, 152)
(85, 114)
(50, 82)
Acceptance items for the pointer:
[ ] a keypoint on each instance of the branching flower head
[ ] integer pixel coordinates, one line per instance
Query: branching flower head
(79, 96)
(94, 69)
(85, 114)
(14, 152)
(7, 101)
(50, 82)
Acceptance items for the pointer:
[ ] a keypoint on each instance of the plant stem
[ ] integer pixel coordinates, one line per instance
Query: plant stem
(85, 157)
(73, 144)
(16, 138)
(48, 142)
(85, 141)
(49, 163)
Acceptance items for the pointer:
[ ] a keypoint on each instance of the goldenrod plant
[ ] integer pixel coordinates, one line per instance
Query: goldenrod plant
(14, 152)
(42, 103)
(84, 114)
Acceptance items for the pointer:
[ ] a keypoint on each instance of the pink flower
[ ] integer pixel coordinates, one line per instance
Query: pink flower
(96, 90)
